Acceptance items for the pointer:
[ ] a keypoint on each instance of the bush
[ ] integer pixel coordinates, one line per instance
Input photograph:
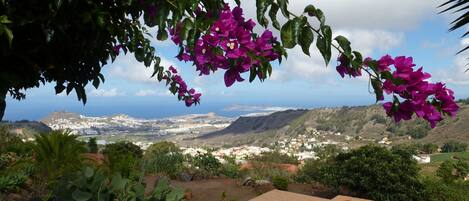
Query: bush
(207, 162)
(429, 148)
(436, 190)
(164, 157)
(280, 183)
(310, 171)
(230, 168)
(375, 172)
(12, 181)
(454, 146)
(449, 171)
(122, 157)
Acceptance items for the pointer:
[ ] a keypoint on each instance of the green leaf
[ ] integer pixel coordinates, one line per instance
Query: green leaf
(252, 74)
(186, 26)
(324, 49)
(378, 88)
(327, 32)
(273, 16)
(162, 35)
(269, 69)
(344, 43)
(238, 2)
(9, 35)
(117, 182)
(59, 88)
(78, 195)
(283, 4)
(310, 9)
(358, 60)
(96, 82)
(175, 195)
(289, 33)
(161, 188)
(320, 15)
(261, 6)
(306, 39)
(101, 76)
(4, 19)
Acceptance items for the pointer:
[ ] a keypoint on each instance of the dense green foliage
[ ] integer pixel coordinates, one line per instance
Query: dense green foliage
(429, 148)
(450, 171)
(207, 162)
(454, 146)
(435, 190)
(374, 172)
(57, 152)
(96, 185)
(164, 157)
(123, 157)
(280, 183)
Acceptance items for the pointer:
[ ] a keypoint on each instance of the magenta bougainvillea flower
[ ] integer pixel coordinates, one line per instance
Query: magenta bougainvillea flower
(344, 68)
(412, 91)
(230, 44)
(189, 96)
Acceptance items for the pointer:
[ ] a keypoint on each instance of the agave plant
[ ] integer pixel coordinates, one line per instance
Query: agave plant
(458, 6)
(57, 152)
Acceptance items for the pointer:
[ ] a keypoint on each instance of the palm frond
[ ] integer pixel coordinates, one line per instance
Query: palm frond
(457, 6)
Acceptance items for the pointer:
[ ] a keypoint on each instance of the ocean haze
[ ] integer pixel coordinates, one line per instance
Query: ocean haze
(150, 108)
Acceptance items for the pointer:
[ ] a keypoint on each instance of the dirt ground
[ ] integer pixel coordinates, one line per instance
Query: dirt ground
(213, 189)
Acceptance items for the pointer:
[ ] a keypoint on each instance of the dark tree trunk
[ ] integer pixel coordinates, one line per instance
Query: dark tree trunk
(3, 102)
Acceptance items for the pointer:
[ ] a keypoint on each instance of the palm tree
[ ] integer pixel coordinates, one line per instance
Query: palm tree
(57, 152)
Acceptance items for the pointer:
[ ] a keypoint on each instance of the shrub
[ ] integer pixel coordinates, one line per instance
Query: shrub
(207, 162)
(280, 183)
(436, 190)
(164, 157)
(57, 152)
(122, 157)
(375, 172)
(310, 171)
(429, 148)
(230, 168)
(12, 181)
(454, 146)
(449, 171)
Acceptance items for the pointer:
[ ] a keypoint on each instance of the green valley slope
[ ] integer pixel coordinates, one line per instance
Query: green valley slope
(364, 124)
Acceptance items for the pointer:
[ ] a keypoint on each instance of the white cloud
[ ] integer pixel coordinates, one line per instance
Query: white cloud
(107, 92)
(298, 65)
(150, 92)
(130, 69)
(458, 74)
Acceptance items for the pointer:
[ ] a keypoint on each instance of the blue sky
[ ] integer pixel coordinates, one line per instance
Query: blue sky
(375, 27)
